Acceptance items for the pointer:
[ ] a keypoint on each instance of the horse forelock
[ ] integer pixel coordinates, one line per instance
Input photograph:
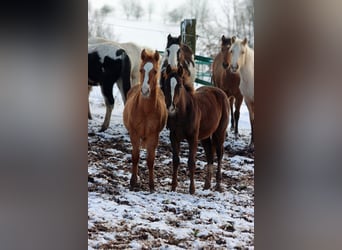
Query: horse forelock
(172, 40)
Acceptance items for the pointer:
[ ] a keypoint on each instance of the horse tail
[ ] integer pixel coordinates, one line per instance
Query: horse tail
(125, 72)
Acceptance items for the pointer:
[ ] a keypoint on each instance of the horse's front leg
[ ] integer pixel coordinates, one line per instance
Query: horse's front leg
(250, 106)
(89, 112)
(238, 102)
(135, 161)
(151, 152)
(175, 143)
(191, 163)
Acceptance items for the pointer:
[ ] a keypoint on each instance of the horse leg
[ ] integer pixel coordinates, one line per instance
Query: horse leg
(191, 162)
(107, 92)
(208, 149)
(232, 118)
(238, 102)
(89, 113)
(175, 143)
(151, 152)
(218, 139)
(135, 160)
(250, 106)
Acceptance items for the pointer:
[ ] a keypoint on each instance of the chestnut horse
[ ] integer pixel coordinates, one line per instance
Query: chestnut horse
(195, 115)
(227, 81)
(242, 62)
(145, 114)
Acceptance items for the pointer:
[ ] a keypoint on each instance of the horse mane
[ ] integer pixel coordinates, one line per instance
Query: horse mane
(188, 84)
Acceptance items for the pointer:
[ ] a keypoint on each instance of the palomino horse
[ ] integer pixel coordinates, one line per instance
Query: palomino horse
(145, 114)
(227, 81)
(177, 53)
(242, 62)
(195, 115)
(125, 71)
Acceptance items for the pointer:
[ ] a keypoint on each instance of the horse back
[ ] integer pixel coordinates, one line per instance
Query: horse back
(214, 106)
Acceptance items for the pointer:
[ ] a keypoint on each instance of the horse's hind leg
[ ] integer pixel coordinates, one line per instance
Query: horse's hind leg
(238, 102)
(107, 92)
(89, 113)
(175, 159)
(218, 140)
(208, 149)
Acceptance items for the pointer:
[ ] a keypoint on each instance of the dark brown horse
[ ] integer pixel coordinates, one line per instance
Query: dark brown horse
(227, 81)
(195, 115)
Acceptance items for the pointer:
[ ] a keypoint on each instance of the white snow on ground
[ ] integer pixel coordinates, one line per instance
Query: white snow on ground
(120, 218)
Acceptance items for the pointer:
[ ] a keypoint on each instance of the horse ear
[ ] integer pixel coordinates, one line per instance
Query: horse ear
(156, 55)
(233, 39)
(223, 38)
(244, 42)
(180, 71)
(168, 69)
(169, 37)
(143, 54)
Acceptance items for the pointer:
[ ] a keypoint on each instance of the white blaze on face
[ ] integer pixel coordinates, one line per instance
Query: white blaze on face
(145, 86)
(173, 83)
(236, 51)
(173, 55)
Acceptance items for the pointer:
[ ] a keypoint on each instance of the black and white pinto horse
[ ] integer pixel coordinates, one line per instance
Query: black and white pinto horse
(110, 63)
(176, 54)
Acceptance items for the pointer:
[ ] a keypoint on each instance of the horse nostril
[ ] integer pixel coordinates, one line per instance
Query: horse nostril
(225, 65)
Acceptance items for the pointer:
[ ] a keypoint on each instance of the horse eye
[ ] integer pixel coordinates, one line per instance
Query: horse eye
(141, 70)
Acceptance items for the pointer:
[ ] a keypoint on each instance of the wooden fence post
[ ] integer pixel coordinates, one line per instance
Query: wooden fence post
(188, 33)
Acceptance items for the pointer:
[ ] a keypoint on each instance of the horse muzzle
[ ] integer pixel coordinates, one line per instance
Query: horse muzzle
(172, 110)
(145, 92)
(234, 69)
(225, 65)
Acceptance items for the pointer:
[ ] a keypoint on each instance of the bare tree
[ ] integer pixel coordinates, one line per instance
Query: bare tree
(137, 9)
(127, 6)
(150, 9)
(96, 25)
(132, 8)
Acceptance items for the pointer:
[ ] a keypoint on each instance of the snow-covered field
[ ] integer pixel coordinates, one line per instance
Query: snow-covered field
(123, 219)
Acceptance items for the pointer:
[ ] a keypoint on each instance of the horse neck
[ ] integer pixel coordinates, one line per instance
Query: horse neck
(186, 100)
(248, 65)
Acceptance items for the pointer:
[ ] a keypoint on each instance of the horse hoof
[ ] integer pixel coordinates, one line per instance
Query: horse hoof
(192, 190)
(152, 190)
(218, 189)
(206, 186)
(102, 129)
